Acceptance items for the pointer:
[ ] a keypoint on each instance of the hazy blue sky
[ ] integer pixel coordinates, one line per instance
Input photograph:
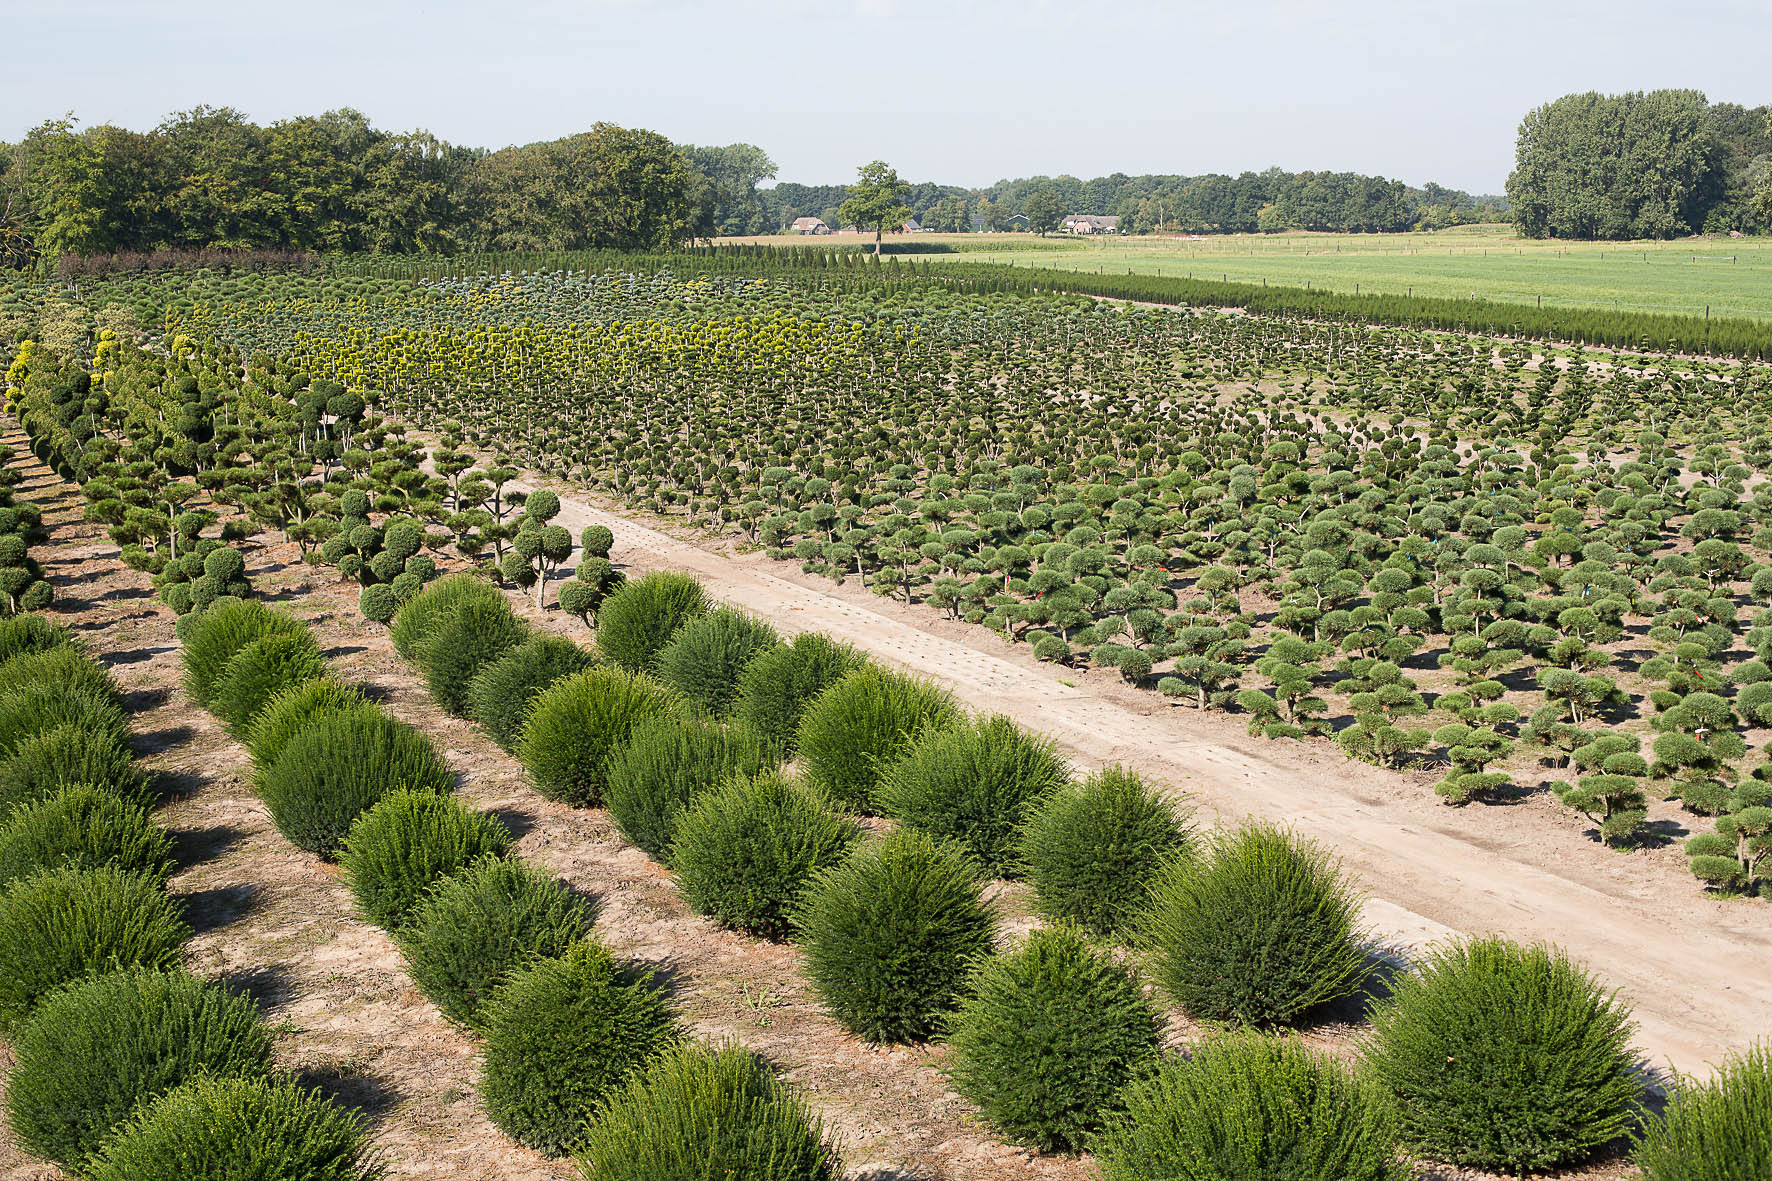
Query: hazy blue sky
(964, 93)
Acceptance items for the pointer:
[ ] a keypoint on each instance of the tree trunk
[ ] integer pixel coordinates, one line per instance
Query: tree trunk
(879, 231)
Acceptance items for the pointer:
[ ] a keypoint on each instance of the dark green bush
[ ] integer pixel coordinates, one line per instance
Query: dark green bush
(66, 924)
(695, 1114)
(1251, 1108)
(891, 932)
(378, 602)
(67, 666)
(1258, 930)
(26, 710)
(95, 1050)
(43, 764)
(463, 642)
(337, 768)
(232, 1129)
(746, 850)
(293, 710)
(400, 847)
(436, 602)
(639, 619)
(218, 634)
(500, 693)
(777, 686)
(561, 1036)
(577, 724)
(31, 633)
(863, 724)
(706, 657)
(1505, 1057)
(84, 827)
(1093, 849)
(973, 783)
(474, 929)
(1720, 1130)
(261, 670)
(1047, 1036)
(666, 762)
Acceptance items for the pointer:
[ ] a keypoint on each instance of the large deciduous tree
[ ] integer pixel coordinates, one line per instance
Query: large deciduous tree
(876, 199)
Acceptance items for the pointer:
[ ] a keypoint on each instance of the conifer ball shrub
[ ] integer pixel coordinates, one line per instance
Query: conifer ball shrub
(462, 643)
(223, 1129)
(334, 770)
(399, 848)
(664, 765)
(1091, 850)
(745, 851)
(706, 657)
(261, 670)
(293, 710)
(95, 1050)
(439, 600)
(501, 692)
(596, 541)
(863, 724)
(974, 783)
(1719, 1130)
(378, 602)
(1246, 1105)
(66, 924)
(576, 725)
(891, 932)
(1047, 1036)
(638, 620)
(43, 764)
(696, 1113)
(83, 827)
(31, 633)
(562, 1036)
(473, 929)
(1258, 929)
(218, 634)
(30, 709)
(66, 666)
(777, 686)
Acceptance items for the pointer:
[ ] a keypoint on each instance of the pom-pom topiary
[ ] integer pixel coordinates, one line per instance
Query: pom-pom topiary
(94, 1051)
(261, 670)
(706, 657)
(501, 692)
(1720, 1130)
(1259, 930)
(438, 601)
(891, 932)
(43, 764)
(577, 724)
(295, 709)
(864, 723)
(378, 602)
(666, 762)
(1505, 1057)
(1047, 1036)
(218, 634)
(84, 827)
(26, 710)
(746, 850)
(463, 642)
(639, 619)
(399, 848)
(561, 1036)
(473, 929)
(777, 686)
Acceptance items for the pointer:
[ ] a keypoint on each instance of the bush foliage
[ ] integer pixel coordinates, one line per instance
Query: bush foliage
(30, 632)
(577, 724)
(777, 686)
(707, 656)
(261, 670)
(28, 710)
(500, 694)
(65, 665)
(69, 756)
(402, 846)
(294, 710)
(666, 762)
(1720, 1130)
(462, 642)
(864, 723)
(440, 600)
(82, 827)
(636, 622)
(218, 634)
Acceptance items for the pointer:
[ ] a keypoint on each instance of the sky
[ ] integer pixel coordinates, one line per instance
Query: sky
(960, 92)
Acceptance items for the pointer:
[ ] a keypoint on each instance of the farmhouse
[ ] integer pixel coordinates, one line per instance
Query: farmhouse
(913, 226)
(1015, 221)
(1090, 223)
(809, 225)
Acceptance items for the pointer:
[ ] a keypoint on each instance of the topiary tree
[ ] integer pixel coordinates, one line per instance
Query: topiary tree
(1612, 795)
(1470, 750)
(1731, 859)
(378, 603)
(400, 848)
(262, 669)
(68, 756)
(462, 642)
(577, 724)
(500, 694)
(666, 762)
(636, 622)
(1505, 1057)
(706, 657)
(82, 827)
(861, 725)
(1720, 1130)
(779, 683)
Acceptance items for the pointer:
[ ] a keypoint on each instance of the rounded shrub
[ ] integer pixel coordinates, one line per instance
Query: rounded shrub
(561, 1036)
(1720, 1130)
(43, 764)
(461, 643)
(472, 930)
(225, 1129)
(638, 620)
(66, 666)
(378, 602)
(1246, 1105)
(439, 600)
(293, 710)
(746, 850)
(777, 686)
(218, 634)
(1257, 930)
(27, 710)
(95, 1050)
(1047, 1036)
(29, 632)
(1505, 1057)
(1092, 850)
(891, 933)
(400, 847)
(696, 1113)
(500, 693)
(84, 827)
(67, 924)
(334, 770)
(864, 723)
(706, 657)
(666, 762)
(576, 725)
(973, 783)
(261, 670)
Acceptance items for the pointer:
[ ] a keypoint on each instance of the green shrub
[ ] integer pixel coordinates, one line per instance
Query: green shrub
(777, 686)
(561, 1036)
(32, 633)
(666, 762)
(696, 1113)
(1047, 1036)
(260, 671)
(84, 827)
(891, 932)
(436, 602)
(218, 634)
(473, 929)
(1505, 1057)
(706, 657)
(577, 724)
(27, 710)
(95, 1050)
(461, 643)
(378, 602)
(1719, 1130)
(1253, 1107)
(1258, 930)
(293, 710)
(746, 850)
(973, 783)
(229, 1129)
(864, 723)
(337, 768)
(67, 666)
(43, 764)
(500, 693)
(1093, 849)
(639, 619)
(399, 848)
(67, 924)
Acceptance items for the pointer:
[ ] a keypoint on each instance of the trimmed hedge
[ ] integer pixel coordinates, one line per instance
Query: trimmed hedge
(706, 657)
(777, 686)
(401, 847)
(577, 724)
(67, 756)
(864, 723)
(260, 671)
(665, 764)
(500, 694)
(83, 827)
(1719, 1130)
(636, 622)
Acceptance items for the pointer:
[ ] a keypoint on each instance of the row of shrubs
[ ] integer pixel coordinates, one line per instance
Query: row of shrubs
(125, 1066)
